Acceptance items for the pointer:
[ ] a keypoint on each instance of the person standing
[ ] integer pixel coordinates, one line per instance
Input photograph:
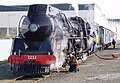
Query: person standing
(113, 43)
(95, 41)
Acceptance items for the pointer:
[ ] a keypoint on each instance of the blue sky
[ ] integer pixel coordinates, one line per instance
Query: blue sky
(109, 7)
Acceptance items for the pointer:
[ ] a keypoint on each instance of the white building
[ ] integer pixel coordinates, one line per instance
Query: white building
(93, 14)
(114, 25)
(9, 19)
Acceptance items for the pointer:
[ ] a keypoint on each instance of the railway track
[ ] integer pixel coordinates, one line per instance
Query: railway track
(8, 77)
(13, 81)
(33, 79)
(28, 79)
(3, 64)
(44, 77)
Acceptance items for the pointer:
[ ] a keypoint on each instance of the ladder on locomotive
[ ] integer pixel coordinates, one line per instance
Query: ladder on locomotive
(66, 23)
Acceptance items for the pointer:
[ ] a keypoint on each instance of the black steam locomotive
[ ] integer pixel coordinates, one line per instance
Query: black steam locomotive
(45, 35)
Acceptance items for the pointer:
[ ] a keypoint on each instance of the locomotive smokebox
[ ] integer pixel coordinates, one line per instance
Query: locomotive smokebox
(40, 26)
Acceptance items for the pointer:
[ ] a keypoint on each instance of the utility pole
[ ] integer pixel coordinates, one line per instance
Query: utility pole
(8, 24)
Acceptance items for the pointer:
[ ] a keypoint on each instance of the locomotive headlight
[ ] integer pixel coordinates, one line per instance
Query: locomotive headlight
(33, 27)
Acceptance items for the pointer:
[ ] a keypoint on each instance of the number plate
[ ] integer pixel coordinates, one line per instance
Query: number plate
(32, 57)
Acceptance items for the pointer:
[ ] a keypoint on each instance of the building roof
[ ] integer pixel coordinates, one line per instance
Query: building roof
(13, 8)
